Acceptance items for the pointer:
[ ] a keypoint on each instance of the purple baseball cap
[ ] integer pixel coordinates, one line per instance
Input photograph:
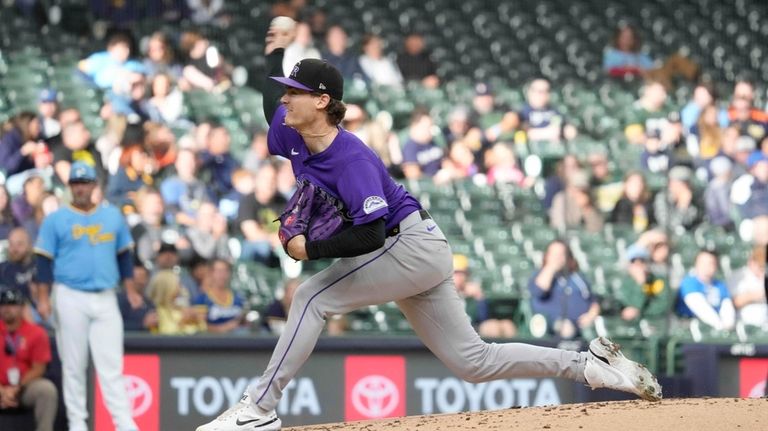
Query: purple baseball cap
(317, 76)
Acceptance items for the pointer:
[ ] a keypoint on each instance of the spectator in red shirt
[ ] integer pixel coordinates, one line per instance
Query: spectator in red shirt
(24, 354)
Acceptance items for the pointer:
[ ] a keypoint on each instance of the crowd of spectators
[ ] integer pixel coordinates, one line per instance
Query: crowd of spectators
(195, 208)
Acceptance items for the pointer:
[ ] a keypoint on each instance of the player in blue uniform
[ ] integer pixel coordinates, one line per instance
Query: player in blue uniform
(83, 251)
(393, 251)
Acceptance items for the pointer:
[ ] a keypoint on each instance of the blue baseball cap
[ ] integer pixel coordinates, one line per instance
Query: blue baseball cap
(636, 251)
(82, 173)
(755, 158)
(48, 95)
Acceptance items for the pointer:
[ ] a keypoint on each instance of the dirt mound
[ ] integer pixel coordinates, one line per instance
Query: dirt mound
(684, 414)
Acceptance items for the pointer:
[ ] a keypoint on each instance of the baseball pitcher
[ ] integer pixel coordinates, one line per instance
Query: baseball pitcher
(391, 250)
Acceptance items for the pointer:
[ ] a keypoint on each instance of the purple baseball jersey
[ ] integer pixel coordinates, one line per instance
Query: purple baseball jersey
(348, 170)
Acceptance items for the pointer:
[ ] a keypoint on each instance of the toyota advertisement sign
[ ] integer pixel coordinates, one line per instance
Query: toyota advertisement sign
(752, 377)
(142, 381)
(180, 390)
(375, 387)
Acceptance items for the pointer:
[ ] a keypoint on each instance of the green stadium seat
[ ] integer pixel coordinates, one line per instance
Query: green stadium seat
(538, 234)
(618, 231)
(362, 321)
(460, 246)
(503, 307)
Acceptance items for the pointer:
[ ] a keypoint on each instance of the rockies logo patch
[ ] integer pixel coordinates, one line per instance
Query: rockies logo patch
(373, 203)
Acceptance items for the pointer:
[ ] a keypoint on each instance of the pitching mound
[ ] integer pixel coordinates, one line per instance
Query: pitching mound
(692, 414)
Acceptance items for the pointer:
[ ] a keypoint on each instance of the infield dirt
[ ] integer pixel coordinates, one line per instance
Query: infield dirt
(682, 414)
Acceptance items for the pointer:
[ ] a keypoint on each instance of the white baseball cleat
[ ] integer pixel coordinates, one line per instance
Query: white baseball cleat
(608, 368)
(243, 416)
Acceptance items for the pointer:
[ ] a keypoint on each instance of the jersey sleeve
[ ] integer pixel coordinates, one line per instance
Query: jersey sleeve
(362, 193)
(46, 238)
(277, 139)
(124, 238)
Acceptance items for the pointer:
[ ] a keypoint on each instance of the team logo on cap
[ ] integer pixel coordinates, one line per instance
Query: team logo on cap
(321, 86)
(295, 70)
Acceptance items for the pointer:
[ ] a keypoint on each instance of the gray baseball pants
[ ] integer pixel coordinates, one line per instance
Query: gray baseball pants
(415, 269)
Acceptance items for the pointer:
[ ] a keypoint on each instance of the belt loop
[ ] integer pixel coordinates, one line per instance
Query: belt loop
(423, 215)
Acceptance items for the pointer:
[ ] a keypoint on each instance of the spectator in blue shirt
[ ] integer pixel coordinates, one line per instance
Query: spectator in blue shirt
(336, 52)
(16, 272)
(142, 317)
(561, 293)
(703, 96)
(624, 57)
(421, 156)
(105, 68)
(756, 204)
(183, 193)
(541, 121)
(224, 309)
(129, 96)
(217, 163)
(133, 174)
(705, 297)
(19, 144)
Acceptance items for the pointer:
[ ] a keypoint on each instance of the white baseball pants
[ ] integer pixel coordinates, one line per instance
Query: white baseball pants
(92, 320)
